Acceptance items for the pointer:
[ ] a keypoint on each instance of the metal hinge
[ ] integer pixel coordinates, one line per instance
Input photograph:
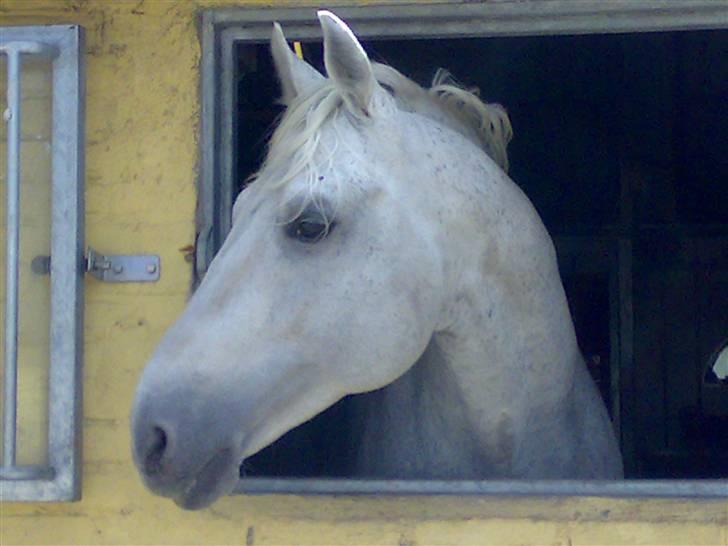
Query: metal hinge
(111, 268)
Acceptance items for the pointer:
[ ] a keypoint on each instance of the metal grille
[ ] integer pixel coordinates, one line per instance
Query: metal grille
(59, 478)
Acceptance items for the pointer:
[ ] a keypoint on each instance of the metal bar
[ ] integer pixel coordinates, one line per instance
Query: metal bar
(516, 18)
(704, 489)
(227, 143)
(206, 226)
(29, 472)
(626, 354)
(614, 344)
(12, 116)
(65, 396)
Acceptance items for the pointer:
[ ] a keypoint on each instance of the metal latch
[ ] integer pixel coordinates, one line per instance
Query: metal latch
(122, 267)
(113, 268)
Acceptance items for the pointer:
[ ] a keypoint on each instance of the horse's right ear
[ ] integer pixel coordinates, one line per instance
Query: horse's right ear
(295, 74)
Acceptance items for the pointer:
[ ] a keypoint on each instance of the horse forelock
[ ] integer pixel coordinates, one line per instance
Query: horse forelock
(294, 144)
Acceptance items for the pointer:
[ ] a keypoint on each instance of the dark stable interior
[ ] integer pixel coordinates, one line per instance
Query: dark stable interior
(617, 138)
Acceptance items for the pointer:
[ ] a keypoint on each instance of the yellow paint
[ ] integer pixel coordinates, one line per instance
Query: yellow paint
(142, 120)
(298, 49)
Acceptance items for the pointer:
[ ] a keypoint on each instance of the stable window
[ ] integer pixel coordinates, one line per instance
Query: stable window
(616, 109)
(41, 145)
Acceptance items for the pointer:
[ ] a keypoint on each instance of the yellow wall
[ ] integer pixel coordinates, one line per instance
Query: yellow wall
(142, 117)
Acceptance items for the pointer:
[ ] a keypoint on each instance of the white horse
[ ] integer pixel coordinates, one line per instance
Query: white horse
(381, 248)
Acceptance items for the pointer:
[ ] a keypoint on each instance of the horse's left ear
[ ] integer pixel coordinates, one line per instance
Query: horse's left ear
(346, 63)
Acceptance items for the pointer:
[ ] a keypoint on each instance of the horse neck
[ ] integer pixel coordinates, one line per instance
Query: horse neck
(508, 334)
(505, 353)
(506, 325)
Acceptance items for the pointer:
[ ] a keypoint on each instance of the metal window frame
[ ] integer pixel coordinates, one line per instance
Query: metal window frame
(223, 28)
(61, 479)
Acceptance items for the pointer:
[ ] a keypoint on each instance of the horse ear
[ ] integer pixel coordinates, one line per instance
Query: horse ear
(295, 74)
(346, 63)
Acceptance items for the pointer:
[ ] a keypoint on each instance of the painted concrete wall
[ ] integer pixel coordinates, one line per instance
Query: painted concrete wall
(142, 119)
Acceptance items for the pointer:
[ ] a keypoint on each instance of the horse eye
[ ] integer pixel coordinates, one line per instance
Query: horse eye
(309, 229)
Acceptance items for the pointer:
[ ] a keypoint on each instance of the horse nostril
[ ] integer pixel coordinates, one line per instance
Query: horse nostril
(155, 452)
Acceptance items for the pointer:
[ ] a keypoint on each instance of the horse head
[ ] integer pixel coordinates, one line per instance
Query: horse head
(328, 284)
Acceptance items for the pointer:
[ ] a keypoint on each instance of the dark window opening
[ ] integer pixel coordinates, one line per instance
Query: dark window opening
(618, 138)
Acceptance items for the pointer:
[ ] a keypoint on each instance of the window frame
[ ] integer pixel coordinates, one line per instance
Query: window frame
(60, 480)
(223, 28)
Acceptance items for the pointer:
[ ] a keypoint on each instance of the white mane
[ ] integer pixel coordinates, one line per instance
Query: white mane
(490, 122)
(296, 139)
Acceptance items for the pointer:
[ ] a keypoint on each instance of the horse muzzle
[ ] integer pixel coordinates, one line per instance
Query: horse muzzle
(193, 462)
